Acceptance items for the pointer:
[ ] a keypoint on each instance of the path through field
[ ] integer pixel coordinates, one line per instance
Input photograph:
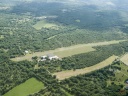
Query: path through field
(69, 73)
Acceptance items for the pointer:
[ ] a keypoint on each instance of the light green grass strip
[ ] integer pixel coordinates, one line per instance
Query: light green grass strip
(30, 86)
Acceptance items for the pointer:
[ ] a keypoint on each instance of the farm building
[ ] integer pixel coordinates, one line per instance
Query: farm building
(49, 56)
(26, 51)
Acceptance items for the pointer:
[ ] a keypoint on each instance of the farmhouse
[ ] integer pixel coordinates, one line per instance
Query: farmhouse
(26, 51)
(49, 56)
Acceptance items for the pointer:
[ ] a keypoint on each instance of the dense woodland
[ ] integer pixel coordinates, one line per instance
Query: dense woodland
(75, 26)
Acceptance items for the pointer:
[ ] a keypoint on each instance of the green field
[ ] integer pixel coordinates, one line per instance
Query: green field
(43, 24)
(1, 36)
(120, 75)
(29, 87)
(68, 51)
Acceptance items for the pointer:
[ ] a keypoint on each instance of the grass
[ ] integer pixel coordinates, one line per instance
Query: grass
(124, 59)
(69, 73)
(29, 87)
(67, 51)
(1, 37)
(120, 75)
(43, 24)
(72, 51)
(67, 94)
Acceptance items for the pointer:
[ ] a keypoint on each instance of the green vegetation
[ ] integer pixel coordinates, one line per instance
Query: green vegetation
(67, 51)
(121, 71)
(44, 24)
(28, 87)
(95, 84)
(67, 74)
(23, 27)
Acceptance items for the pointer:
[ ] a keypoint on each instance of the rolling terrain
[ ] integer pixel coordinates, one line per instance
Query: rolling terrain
(89, 36)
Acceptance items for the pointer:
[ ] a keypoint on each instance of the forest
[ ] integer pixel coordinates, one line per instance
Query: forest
(74, 25)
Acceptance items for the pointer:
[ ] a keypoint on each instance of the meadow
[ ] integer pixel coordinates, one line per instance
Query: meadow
(43, 24)
(29, 87)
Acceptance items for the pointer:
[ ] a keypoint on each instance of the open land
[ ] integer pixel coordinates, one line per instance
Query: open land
(124, 59)
(30, 86)
(69, 73)
(68, 51)
(43, 24)
(120, 75)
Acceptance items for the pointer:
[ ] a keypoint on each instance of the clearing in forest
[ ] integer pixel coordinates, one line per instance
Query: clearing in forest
(120, 75)
(124, 59)
(67, 51)
(29, 87)
(44, 24)
(69, 73)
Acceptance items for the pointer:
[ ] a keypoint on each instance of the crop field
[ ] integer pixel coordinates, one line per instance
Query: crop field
(67, 51)
(29, 87)
(43, 24)
(69, 73)
(124, 59)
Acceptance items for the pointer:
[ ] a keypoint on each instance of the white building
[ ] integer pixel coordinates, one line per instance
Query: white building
(49, 56)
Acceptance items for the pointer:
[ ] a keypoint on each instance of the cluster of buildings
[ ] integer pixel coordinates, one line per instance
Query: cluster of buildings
(49, 57)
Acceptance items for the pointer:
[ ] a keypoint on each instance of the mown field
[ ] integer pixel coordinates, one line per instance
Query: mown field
(29, 87)
(43, 24)
(69, 73)
(68, 51)
(124, 59)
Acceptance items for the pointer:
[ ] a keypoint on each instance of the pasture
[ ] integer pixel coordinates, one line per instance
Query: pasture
(69, 73)
(67, 51)
(29, 87)
(43, 24)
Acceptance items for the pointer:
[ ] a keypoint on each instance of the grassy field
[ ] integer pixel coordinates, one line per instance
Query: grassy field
(69, 73)
(124, 59)
(30, 86)
(120, 75)
(1, 37)
(67, 51)
(43, 24)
